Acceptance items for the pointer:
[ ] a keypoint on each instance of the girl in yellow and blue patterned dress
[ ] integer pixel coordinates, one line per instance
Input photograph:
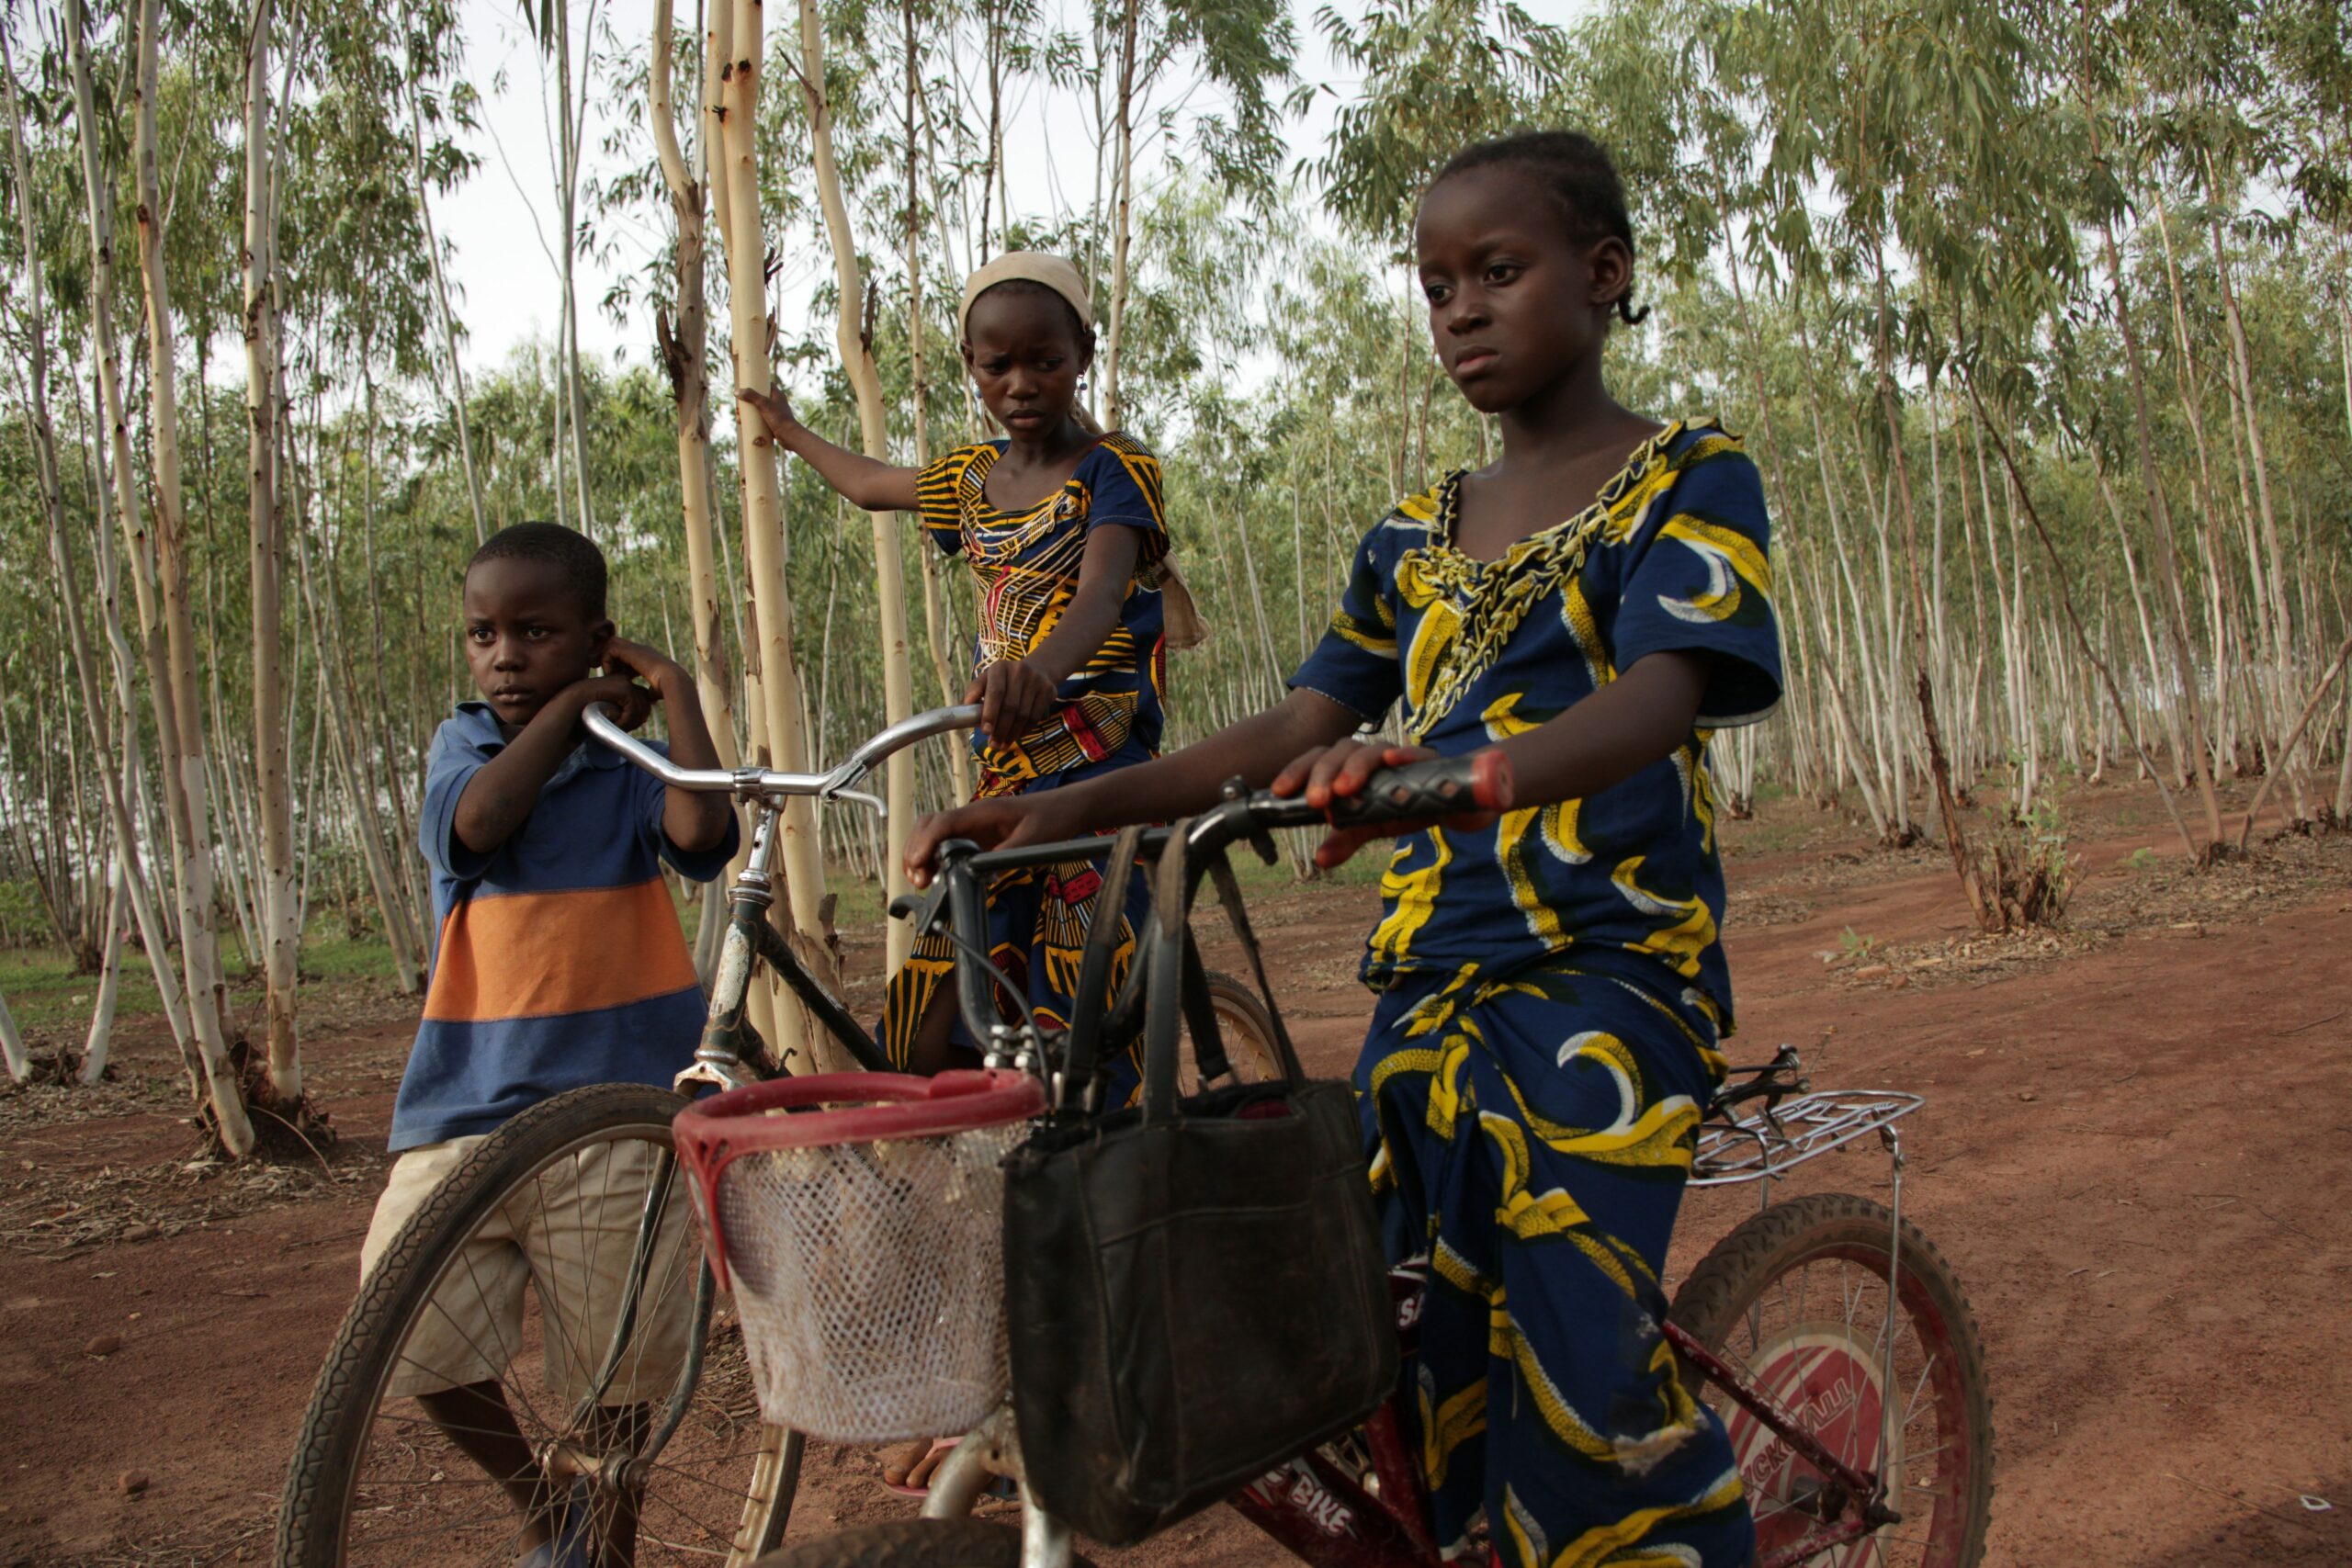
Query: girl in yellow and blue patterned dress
(1552, 987)
(1064, 531)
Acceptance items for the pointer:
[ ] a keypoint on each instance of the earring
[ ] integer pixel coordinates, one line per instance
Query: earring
(1081, 380)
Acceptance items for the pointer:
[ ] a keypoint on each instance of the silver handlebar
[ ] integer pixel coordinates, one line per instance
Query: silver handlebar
(760, 783)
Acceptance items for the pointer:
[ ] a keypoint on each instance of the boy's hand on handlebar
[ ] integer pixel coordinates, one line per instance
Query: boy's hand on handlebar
(1330, 776)
(1005, 822)
(1014, 696)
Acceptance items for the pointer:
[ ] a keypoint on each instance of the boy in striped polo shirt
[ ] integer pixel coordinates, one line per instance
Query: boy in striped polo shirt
(558, 962)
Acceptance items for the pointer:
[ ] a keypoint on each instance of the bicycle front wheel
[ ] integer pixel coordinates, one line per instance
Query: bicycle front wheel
(1797, 1300)
(1243, 1027)
(624, 1374)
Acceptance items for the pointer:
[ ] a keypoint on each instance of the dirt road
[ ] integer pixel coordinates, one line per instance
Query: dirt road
(2137, 1152)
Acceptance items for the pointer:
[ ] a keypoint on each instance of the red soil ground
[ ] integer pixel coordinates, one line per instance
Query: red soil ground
(2137, 1152)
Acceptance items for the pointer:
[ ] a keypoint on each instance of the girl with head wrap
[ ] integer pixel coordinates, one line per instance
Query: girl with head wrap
(1063, 529)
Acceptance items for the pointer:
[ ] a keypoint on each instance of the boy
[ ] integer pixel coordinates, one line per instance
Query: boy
(558, 962)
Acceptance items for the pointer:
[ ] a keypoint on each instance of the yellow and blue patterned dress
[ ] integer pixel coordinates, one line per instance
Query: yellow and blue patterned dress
(1551, 994)
(1109, 715)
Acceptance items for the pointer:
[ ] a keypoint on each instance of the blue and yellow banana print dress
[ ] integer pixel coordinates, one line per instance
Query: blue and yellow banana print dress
(1552, 990)
(1025, 564)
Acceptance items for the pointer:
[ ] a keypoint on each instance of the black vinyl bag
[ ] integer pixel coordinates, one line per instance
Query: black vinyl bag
(1196, 1289)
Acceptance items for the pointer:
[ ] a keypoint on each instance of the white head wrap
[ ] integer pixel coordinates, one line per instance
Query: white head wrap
(1031, 266)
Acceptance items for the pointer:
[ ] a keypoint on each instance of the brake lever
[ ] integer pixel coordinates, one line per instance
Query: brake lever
(880, 808)
(922, 908)
(1261, 839)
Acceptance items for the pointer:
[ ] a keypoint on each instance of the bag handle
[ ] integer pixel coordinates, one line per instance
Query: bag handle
(1092, 993)
(1171, 982)
(1164, 982)
(1229, 892)
(1200, 1015)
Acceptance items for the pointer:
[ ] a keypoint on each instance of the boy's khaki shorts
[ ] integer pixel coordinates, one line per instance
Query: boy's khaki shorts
(572, 1239)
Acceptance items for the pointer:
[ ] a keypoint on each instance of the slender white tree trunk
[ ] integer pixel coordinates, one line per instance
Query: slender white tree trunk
(12, 1045)
(187, 795)
(568, 153)
(771, 674)
(100, 1038)
(685, 350)
(275, 902)
(1123, 219)
(443, 317)
(857, 358)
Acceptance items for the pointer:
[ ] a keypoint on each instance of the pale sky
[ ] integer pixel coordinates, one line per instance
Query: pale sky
(502, 221)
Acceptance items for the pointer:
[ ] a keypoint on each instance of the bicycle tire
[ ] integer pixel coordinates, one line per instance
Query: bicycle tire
(1814, 1364)
(912, 1544)
(1246, 1028)
(347, 1429)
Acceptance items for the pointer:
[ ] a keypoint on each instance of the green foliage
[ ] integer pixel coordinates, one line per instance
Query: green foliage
(1889, 241)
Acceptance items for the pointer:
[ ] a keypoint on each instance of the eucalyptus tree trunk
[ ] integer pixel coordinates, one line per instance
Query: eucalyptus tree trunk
(857, 358)
(2066, 603)
(96, 1043)
(772, 677)
(935, 606)
(2282, 757)
(684, 356)
(276, 903)
(185, 792)
(1122, 205)
(117, 778)
(12, 1041)
(443, 317)
(766, 1001)
(684, 353)
(1990, 914)
(568, 154)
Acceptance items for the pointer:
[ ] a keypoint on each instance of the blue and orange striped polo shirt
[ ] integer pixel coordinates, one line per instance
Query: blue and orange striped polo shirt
(558, 957)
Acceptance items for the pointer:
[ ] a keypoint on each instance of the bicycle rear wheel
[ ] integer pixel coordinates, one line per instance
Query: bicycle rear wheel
(661, 1448)
(1797, 1300)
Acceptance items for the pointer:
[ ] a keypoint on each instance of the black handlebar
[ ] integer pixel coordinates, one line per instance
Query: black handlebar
(1414, 793)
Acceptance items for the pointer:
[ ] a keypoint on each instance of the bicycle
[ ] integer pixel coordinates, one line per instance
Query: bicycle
(664, 1453)
(1827, 1331)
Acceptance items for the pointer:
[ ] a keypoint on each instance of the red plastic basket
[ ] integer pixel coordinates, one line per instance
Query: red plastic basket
(857, 1217)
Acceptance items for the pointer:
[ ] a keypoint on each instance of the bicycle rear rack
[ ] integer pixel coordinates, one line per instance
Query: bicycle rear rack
(1773, 1140)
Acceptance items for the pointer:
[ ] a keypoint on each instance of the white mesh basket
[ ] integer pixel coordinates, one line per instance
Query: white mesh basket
(858, 1217)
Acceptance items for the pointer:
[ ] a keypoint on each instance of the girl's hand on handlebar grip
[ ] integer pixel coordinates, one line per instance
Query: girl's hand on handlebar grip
(1013, 695)
(1006, 822)
(1333, 778)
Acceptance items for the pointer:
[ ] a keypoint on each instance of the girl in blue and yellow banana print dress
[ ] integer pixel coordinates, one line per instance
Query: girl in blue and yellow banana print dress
(1552, 986)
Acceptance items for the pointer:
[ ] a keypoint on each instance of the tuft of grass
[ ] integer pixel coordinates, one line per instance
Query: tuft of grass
(47, 996)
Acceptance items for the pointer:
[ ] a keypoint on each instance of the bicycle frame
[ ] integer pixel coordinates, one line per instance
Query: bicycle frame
(1312, 1504)
(751, 936)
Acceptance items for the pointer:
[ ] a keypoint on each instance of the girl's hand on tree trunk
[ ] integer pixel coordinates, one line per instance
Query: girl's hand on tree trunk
(776, 413)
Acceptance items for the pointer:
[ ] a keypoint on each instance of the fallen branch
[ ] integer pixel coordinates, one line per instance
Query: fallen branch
(2288, 749)
(2082, 638)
